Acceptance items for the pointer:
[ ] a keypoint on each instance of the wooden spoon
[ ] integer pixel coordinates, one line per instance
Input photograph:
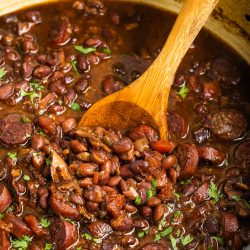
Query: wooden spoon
(146, 99)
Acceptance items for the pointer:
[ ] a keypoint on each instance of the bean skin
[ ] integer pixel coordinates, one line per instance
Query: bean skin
(158, 213)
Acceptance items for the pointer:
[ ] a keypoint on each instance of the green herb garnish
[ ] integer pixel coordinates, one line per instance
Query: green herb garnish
(214, 192)
(84, 50)
(25, 119)
(163, 233)
(161, 224)
(176, 215)
(1, 215)
(186, 239)
(142, 234)
(238, 198)
(32, 95)
(183, 91)
(88, 236)
(47, 161)
(26, 178)
(173, 242)
(36, 86)
(73, 63)
(12, 155)
(138, 200)
(151, 192)
(219, 240)
(106, 50)
(176, 195)
(2, 73)
(21, 243)
(75, 106)
(45, 222)
(48, 246)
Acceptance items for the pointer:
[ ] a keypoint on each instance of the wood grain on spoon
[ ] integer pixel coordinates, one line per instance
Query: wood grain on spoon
(146, 100)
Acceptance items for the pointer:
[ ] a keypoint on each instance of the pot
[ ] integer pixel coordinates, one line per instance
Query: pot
(230, 21)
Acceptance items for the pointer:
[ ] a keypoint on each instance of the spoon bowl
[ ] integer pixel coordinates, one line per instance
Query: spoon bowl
(146, 99)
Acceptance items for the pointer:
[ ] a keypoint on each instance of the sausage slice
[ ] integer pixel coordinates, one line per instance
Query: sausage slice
(5, 197)
(13, 130)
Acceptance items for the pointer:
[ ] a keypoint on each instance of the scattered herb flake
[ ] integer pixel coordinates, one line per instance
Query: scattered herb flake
(183, 91)
(26, 178)
(177, 195)
(154, 184)
(84, 50)
(36, 86)
(186, 239)
(48, 161)
(142, 234)
(75, 106)
(79, 248)
(106, 50)
(48, 246)
(70, 221)
(88, 236)
(138, 200)
(45, 222)
(185, 182)
(173, 242)
(214, 192)
(73, 63)
(176, 214)
(150, 193)
(219, 240)
(25, 119)
(21, 243)
(12, 155)
(163, 233)
(161, 224)
(2, 73)
(1, 215)
(238, 198)
(178, 233)
(32, 95)
(42, 133)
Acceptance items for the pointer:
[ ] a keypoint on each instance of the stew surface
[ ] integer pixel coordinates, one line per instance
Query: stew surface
(98, 188)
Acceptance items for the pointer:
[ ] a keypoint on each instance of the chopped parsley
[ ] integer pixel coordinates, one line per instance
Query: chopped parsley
(75, 106)
(142, 234)
(12, 155)
(45, 222)
(214, 192)
(163, 233)
(161, 224)
(186, 239)
(25, 119)
(173, 242)
(238, 198)
(176, 214)
(106, 50)
(88, 236)
(47, 161)
(176, 195)
(151, 192)
(70, 221)
(73, 63)
(32, 95)
(21, 243)
(26, 178)
(183, 91)
(79, 248)
(36, 86)
(48, 246)
(138, 200)
(84, 50)
(219, 240)
(185, 182)
(1, 215)
(2, 73)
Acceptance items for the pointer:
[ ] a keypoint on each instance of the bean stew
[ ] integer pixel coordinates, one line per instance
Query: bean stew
(62, 187)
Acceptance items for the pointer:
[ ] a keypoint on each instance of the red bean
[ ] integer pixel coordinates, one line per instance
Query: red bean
(158, 213)
(68, 125)
(169, 161)
(77, 146)
(163, 146)
(38, 141)
(146, 211)
(153, 201)
(47, 124)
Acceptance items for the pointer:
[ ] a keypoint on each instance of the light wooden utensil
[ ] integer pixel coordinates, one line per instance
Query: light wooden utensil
(146, 99)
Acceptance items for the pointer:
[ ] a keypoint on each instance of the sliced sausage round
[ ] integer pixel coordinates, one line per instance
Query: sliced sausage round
(35, 226)
(177, 124)
(211, 154)
(13, 130)
(99, 229)
(242, 154)
(18, 228)
(64, 233)
(187, 155)
(228, 124)
(5, 197)
(64, 209)
(229, 224)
